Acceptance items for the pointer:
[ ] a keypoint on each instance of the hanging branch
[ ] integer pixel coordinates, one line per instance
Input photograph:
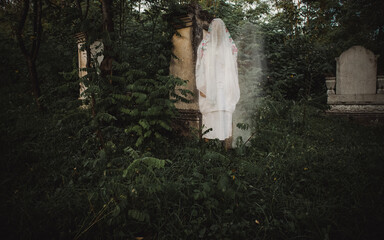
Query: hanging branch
(86, 10)
(37, 27)
(107, 15)
(31, 54)
(108, 27)
(78, 5)
(79, 8)
(19, 30)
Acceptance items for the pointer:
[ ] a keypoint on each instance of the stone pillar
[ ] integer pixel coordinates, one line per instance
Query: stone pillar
(82, 62)
(96, 58)
(380, 84)
(331, 85)
(190, 32)
(184, 65)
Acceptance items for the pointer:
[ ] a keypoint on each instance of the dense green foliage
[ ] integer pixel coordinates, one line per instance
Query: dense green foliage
(114, 169)
(318, 179)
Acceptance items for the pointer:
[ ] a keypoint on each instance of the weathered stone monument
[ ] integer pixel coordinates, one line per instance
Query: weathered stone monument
(190, 27)
(356, 90)
(183, 67)
(96, 48)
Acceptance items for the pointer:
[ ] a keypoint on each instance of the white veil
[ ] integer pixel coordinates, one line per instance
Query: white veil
(217, 64)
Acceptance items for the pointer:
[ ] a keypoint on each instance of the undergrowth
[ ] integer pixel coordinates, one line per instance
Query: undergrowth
(303, 176)
(111, 167)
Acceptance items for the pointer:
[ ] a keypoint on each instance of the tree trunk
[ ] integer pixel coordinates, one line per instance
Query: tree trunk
(31, 54)
(107, 15)
(34, 81)
(106, 64)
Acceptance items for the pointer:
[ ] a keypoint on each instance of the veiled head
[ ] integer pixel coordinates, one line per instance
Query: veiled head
(217, 31)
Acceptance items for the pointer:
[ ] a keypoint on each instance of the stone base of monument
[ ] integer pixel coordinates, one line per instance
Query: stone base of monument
(368, 109)
(188, 122)
(365, 118)
(371, 114)
(191, 26)
(356, 99)
(356, 108)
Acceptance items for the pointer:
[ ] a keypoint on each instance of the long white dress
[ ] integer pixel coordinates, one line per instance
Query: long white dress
(217, 80)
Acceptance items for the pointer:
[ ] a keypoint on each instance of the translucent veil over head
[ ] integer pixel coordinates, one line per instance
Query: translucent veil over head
(216, 67)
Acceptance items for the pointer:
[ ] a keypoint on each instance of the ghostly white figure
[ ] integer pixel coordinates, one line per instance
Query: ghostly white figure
(217, 80)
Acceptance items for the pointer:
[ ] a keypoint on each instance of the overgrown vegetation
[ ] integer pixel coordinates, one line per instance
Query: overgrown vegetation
(115, 169)
(313, 179)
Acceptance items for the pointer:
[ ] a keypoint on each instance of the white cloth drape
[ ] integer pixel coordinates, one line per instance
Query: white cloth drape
(217, 79)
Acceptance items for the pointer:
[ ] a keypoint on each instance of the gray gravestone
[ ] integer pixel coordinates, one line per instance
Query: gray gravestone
(359, 91)
(356, 71)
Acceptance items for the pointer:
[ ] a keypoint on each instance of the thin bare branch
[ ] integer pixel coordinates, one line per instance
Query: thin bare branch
(86, 10)
(37, 39)
(78, 5)
(20, 27)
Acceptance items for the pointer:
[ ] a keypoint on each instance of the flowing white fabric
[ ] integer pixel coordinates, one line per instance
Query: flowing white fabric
(217, 80)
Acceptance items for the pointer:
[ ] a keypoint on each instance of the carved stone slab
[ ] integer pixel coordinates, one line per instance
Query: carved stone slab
(356, 71)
